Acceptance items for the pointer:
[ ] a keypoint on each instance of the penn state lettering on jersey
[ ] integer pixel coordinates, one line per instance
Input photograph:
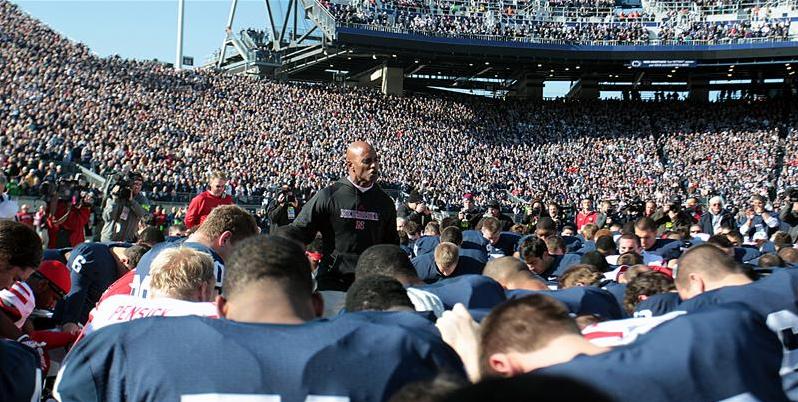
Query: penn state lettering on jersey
(474, 291)
(20, 374)
(348, 358)
(721, 353)
(657, 305)
(93, 268)
(580, 300)
(140, 286)
(774, 297)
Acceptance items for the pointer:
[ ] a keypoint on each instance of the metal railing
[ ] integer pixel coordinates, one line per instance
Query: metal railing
(539, 40)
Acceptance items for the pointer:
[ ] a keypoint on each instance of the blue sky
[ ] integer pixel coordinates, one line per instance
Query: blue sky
(146, 29)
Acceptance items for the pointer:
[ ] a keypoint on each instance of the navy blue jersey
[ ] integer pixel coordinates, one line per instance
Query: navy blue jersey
(617, 290)
(475, 253)
(20, 375)
(657, 305)
(425, 245)
(473, 291)
(564, 262)
(474, 239)
(421, 323)
(141, 280)
(93, 268)
(774, 297)
(408, 250)
(56, 254)
(746, 254)
(668, 249)
(181, 358)
(505, 246)
(580, 300)
(428, 271)
(721, 353)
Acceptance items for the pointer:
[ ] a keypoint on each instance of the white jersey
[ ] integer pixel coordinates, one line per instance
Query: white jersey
(123, 308)
(624, 332)
(18, 301)
(425, 301)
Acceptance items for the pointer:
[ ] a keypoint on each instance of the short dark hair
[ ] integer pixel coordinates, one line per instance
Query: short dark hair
(268, 258)
(770, 260)
(646, 284)
(630, 258)
(606, 244)
(707, 259)
(720, 241)
(523, 325)
(20, 246)
(151, 235)
(385, 259)
(448, 221)
(434, 390)
(646, 224)
(376, 292)
(597, 260)
(135, 252)
(452, 234)
(532, 247)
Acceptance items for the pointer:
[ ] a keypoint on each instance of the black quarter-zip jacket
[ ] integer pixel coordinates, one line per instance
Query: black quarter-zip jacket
(350, 221)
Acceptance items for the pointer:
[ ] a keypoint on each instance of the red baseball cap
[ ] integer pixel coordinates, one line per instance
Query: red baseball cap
(57, 273)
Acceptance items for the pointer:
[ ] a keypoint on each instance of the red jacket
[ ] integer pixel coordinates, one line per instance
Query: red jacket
(74, 224)
(202, 205)
(583, 219)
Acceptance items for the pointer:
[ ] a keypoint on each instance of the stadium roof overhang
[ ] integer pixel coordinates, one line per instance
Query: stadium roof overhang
(479, 64)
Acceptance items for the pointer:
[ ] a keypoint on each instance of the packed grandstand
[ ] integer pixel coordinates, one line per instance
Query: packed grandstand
(434, 246)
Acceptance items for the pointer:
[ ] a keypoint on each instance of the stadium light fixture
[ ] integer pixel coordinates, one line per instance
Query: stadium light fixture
(471, 64)
(789, 68)
(349, 58)
(540, 65)
(670, 76)
(728, 75)
(567, 69)
(416, 61)
(487, 63)
(577, 67)
(374, 56)
(393, 55)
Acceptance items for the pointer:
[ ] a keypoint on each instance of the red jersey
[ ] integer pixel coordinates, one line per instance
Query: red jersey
(74, 224)
(202, 205)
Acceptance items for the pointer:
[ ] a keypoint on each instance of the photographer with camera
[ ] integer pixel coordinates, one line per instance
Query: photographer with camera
(284, 209)
(202, 205)
(789, 212)
(124, 209)
(69, 205)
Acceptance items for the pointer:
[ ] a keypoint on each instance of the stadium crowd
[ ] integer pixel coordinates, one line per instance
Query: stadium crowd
(99, 110)
(627, 262)
(517, 26)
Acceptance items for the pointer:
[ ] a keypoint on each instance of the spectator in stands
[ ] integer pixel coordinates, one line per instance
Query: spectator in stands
(716, 218)
(24, 216)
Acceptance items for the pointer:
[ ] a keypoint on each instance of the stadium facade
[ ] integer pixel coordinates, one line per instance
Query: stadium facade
(514, 47)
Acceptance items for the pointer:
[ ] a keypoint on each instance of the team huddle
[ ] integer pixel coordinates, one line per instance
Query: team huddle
(342, 306)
